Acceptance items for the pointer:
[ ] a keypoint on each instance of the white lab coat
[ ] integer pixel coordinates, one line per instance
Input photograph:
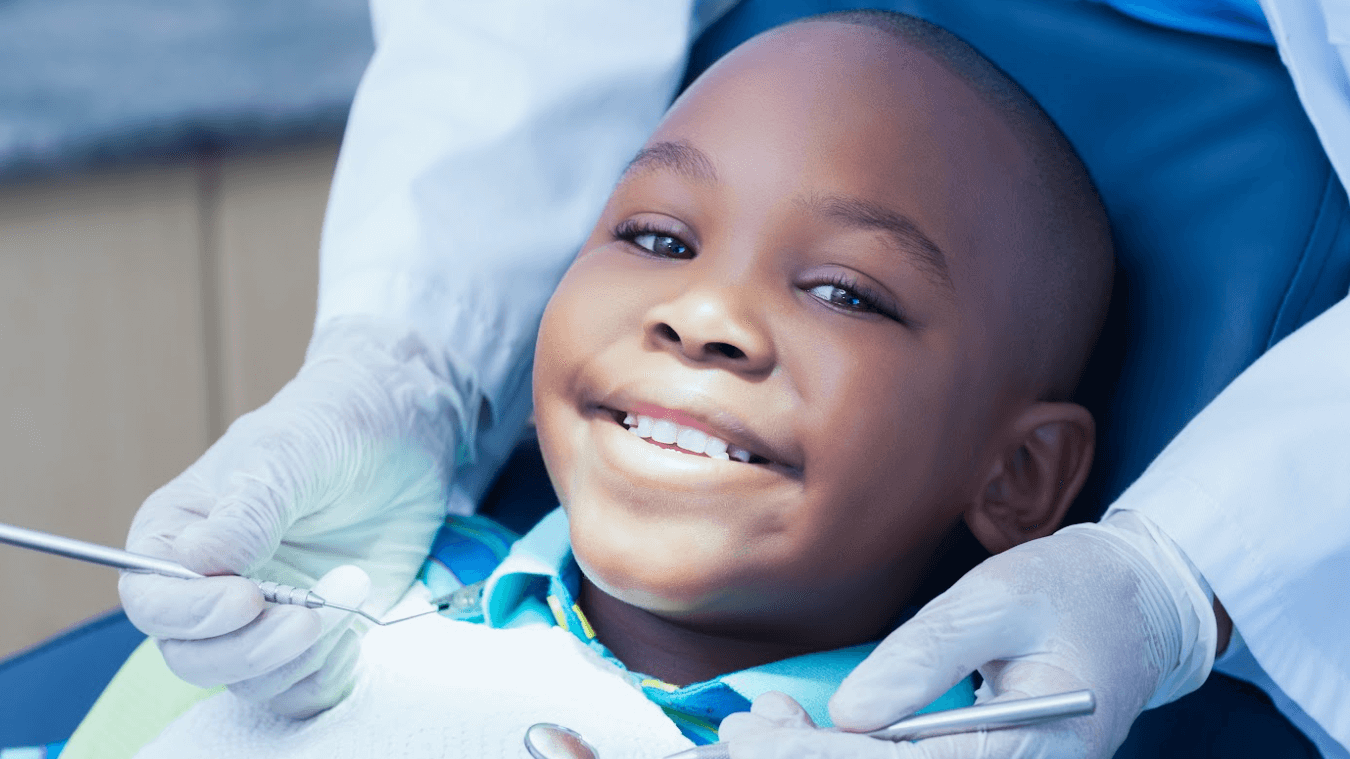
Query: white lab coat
(486, 136)
(1256, 489)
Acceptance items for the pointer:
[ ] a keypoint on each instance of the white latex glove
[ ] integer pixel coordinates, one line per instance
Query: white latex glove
(349, 464)
(1112, 607)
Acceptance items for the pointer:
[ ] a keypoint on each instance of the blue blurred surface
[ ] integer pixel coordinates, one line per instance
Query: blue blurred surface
(88, 82)
(45, 691)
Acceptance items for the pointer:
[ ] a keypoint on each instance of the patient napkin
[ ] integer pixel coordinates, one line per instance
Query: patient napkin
(435, 687)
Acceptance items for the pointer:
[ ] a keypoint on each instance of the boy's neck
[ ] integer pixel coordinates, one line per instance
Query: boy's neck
(674, 653)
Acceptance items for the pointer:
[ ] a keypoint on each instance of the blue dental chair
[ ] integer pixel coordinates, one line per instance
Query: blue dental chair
(1231, 229)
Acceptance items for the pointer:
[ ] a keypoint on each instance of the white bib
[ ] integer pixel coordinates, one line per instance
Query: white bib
(437, 688)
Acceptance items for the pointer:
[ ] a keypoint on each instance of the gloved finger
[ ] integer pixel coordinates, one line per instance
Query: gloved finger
(328, 685)
(167, 607)
(739, 725)
(239, 533)
(277, 636)
(346, 586)
(165, 513)
(974, 622)
(1005, 680)
(796, 743)
(781, 709)
(327, 652)
(770, 710)
(190, 498)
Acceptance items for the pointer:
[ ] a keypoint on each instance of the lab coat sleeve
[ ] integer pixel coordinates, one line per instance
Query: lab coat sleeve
(1313, 37)
(1256, 492)
(482, 144)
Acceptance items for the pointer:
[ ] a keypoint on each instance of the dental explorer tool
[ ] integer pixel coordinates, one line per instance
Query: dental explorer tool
(134, 562)
(1023, 711)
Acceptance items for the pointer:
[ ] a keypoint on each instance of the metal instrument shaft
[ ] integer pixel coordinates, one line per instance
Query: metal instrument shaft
(135, 562)
(1023, 711)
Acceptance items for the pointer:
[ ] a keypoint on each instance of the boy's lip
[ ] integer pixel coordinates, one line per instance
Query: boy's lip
(703, 416)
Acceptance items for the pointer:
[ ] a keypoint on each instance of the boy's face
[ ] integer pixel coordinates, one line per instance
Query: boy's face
(797, 264)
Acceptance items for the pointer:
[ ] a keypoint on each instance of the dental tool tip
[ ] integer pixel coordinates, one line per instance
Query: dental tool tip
(349, 609)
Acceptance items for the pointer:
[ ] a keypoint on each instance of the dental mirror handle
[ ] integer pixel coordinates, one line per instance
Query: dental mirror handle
(1023, 711)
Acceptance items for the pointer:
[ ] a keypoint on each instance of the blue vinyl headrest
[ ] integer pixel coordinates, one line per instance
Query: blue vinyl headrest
(1231, 228)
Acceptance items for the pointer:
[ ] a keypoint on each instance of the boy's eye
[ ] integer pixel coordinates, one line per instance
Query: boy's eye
(660, 240)
(665, 246)
(839, 296)
(852, 297)
(842, 296)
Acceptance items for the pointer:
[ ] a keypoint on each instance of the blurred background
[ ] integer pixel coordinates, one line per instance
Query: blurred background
(164, 167)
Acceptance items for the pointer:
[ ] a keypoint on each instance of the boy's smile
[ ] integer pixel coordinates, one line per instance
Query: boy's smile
(682, 431)
(771, 381)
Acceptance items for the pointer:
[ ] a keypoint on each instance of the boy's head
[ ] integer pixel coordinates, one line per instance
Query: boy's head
(864, 259)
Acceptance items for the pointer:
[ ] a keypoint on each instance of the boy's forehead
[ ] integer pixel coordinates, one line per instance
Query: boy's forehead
(834, 110)
(822, 66)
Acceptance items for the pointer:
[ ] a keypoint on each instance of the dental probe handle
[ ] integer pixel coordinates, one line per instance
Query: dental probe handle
(288, 594)
(135, 562)
(92, 552)
(1022, 711)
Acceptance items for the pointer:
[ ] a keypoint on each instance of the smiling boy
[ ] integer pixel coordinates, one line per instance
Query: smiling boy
(834, 309)
(861, 258)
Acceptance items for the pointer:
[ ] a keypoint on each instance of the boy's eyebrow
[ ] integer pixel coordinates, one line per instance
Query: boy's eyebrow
(683, 158)
(864, 214)
(679, 156)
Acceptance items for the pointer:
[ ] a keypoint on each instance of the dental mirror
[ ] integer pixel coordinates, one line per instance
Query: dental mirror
(549, 741)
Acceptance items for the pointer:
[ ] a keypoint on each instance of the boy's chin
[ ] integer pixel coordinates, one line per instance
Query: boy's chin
(672, 573)
(653, 583)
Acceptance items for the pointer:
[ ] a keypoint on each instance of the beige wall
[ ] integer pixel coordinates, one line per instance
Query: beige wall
(140, 311)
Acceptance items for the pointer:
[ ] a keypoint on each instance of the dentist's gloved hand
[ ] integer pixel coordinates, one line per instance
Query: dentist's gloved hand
(1112, 607)
(349, 464)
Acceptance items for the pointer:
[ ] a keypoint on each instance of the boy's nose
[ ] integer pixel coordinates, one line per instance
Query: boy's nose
(711, 326)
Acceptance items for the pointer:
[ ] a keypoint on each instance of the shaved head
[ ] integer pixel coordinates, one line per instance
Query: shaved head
(1065, 262)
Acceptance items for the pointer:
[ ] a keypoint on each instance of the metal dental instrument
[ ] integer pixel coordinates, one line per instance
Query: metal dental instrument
(276, 593)
(1004, 714)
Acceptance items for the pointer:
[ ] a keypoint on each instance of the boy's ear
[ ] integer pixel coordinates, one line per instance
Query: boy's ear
(1035, 477)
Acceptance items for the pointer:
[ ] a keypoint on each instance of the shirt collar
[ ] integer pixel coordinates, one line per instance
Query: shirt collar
(537, 582)
(538, 558)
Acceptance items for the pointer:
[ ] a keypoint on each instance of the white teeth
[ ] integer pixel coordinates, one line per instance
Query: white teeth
(716, 448)
(691, 440)
(665, 431)
(687, 438)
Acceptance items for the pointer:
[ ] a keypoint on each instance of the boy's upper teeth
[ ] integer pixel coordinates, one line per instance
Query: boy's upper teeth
(687, 438)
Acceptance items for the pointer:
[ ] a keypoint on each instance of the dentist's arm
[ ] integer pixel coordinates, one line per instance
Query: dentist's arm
(483, 141)
(1251, 496)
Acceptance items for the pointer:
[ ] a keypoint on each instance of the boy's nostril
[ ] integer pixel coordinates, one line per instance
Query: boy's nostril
(726, 349)
(668, 332)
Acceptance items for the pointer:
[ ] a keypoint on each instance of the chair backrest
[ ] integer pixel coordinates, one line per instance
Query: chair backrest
(1231, 231)
(1231, 228)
